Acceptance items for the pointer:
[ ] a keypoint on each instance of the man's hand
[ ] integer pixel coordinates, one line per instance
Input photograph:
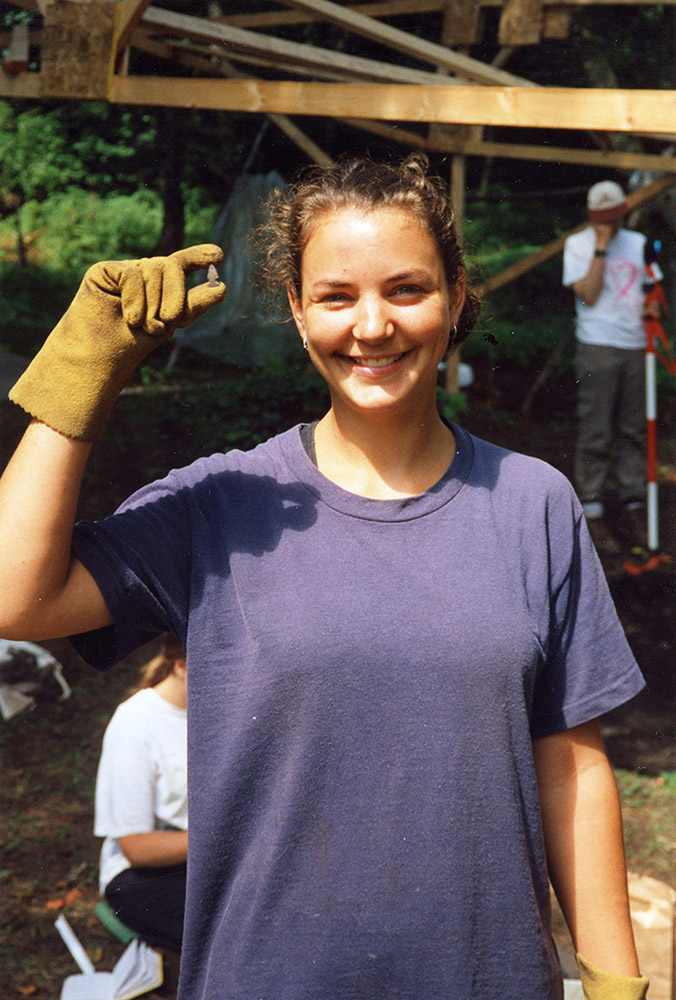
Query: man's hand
(604, 233)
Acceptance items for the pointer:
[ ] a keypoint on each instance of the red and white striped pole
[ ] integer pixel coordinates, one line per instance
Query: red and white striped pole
(657, 349)
(652, 501)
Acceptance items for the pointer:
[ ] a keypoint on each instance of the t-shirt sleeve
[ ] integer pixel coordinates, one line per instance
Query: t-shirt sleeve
(140, 558)
(588, 667)
(125, 781)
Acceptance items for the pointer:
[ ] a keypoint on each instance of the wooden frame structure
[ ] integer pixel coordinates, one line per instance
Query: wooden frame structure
(85, 43)
(238, 62)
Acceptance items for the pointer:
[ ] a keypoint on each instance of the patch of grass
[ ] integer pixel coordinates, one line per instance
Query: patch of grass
(649, 813)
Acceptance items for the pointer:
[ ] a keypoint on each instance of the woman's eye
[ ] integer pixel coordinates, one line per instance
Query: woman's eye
(335, 297)
(408, 290)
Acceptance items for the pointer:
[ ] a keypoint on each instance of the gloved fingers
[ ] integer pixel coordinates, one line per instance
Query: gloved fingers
(131, 285)
(201, 298)
(152, 271)
(152, 290)
(164, 293)
(173, 291)
(193, 258)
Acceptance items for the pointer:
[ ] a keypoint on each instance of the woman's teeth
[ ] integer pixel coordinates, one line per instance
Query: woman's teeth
(377, 362)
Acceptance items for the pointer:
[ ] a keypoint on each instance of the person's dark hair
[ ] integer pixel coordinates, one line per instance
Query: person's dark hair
(161, 665)
(295, 211)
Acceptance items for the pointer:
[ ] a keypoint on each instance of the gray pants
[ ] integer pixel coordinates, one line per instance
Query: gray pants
(611, 422)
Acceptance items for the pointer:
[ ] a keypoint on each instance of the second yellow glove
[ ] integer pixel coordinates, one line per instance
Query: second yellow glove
(597, 984)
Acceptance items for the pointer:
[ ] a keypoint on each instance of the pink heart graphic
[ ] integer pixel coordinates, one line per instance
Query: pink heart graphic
(622, 275)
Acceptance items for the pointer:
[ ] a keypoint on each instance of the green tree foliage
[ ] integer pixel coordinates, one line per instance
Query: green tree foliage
(34, 161)
(83, 180)
(35, 158)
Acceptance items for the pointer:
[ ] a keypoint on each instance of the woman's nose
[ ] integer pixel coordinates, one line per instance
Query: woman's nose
(373, 321)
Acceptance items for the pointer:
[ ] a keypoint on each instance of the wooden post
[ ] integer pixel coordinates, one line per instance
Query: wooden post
(458, 180)
(521, 22)
(78, 49)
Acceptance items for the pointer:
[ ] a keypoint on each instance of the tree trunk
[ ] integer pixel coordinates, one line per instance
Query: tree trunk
(170, 143)
(20, 244)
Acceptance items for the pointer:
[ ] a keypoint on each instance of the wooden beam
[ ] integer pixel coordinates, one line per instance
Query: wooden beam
(202, 56)
(608, 159)
(130, 14)
(395, 133)
(550, 250)
(613, 160)
(377, 8)
(283, 18)
(526, 107)
(24, 86)
(411, 45)
(402, 8)
(281, 51)
(300, 139)
(190, 59)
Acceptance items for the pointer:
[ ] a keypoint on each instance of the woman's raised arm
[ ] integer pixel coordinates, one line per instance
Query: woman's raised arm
(46, 593)
(122, 310)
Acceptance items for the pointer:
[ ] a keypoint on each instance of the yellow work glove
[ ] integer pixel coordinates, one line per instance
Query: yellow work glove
(600, 985)
(122, 310)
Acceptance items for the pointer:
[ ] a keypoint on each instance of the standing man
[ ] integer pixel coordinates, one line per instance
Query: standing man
(604, 265)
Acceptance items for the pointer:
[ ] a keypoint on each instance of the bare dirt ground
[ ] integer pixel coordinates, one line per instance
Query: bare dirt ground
(48, 856)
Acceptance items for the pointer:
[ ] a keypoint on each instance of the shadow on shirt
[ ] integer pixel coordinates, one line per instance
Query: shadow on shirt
(154, 553)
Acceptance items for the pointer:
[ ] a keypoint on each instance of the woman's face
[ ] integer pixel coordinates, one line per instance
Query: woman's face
(375, 308)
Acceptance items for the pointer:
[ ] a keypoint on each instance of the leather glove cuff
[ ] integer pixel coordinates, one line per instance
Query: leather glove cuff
(597, 984)
(72, 391)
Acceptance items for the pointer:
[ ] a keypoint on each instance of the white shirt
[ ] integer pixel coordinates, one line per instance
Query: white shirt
(615, 319)
(142, 781)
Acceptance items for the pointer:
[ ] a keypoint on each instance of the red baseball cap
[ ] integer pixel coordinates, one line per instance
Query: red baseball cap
(606, 202)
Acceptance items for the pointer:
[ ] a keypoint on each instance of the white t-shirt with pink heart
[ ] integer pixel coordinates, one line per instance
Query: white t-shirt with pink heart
(615, 319)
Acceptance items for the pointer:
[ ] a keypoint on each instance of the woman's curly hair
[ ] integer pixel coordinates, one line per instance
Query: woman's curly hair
(294, 212)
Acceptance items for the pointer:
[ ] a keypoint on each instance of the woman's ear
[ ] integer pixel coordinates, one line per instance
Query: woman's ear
(296, 309)
(457, 296)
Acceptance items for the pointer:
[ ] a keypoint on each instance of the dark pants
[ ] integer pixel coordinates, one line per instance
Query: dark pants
(611, 422)
(151, 901)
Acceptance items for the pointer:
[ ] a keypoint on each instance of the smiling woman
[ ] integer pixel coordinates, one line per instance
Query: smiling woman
(376, 314)
(398, 636)
(374, 273)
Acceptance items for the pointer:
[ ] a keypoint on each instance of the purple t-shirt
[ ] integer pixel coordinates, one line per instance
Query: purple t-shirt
(364, 680)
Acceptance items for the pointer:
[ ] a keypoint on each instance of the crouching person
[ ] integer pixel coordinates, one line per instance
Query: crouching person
(141, 803)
